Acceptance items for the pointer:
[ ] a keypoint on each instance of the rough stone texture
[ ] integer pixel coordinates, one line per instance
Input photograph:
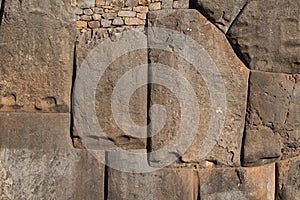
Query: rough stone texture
(235, 78)
(273, 116)
(266, 35)
(36, 56)
(86, 3)
(237, 183)
(181, 4)
(288, 179)
(164, 184)
(37, 160)
(106, 86)
(220, 12)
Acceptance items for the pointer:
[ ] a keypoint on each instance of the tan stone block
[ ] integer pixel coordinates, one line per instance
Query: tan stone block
(221, 146)
(125, 13)
(81, 24)
(94, 24)
(164, 184)
(237, 183)
(141, 15)
(155, 6)
(134, 21)
(37, 57)
(141, 9)
(288, 179)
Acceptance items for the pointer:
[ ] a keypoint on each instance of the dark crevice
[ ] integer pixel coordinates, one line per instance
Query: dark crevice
(73, 134)
(245, 58)
(238, 16)
(245, 121)
(2, 11)
(276, 195)
(149, 143)
(106, 179)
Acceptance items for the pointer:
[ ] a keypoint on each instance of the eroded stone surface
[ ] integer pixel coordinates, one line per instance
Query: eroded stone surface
(273, 116)
(267, 35)
(288, 179)
(37, 160)
(237, 183)
(36, 56)
(164, 184)
(234, 76)
(114, 71)
(221, 13)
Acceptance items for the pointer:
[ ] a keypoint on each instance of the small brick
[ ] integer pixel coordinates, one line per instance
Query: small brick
(134, 21)
(125, 13)
(144, 2)
(141, 15)
(97, 17)
(105, 23)
(78, 11)
(118, 21)
(155, 6)
(167, 4)
(98, 10)
(81, 24)
(100, 2)
(109, 15)
(86, 18)
(94, 24)
(142, 9)
(88, 11)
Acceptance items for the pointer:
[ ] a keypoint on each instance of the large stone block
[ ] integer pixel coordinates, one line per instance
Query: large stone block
(164, 184)
(288, 179)
(273, 118)
(219, 85)
(237, 183)
(221, 13)
(36, 55)
(115, 55)
(266, 35)
(37, 160)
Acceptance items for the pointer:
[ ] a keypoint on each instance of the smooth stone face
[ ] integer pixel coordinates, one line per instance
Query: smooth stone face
(266, 35)
(112, 122)
(164, 184)
(288, 180)
(229, 69)
(237, 183)
(37, 160)
(273, 116)
(36, 55)
(220, 12)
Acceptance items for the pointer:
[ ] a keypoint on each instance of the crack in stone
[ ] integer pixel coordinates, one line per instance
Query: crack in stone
(2, 11)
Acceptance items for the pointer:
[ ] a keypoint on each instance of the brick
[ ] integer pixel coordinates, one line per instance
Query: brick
(94, 24)
(134, 21)
(124, 13)
(155, 6)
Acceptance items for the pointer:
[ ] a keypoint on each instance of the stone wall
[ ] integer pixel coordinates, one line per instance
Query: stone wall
(244, 104)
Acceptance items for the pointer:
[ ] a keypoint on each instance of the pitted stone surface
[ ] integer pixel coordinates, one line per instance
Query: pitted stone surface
(266, 35)
(220, 12)
(273, 116)
(234, 76)
(36, 56)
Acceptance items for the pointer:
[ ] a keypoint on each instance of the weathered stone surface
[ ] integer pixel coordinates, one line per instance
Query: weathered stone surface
(134, 21)
(164, 184)
(36, 55)
(86, 3)
(273, 106)
(37, 160)
(261, 146)
(234, 76)
(34, 131)
(237, 183)
(106, 85)
(266, 35)
(288, 179)
(181, 4)
(220, 12)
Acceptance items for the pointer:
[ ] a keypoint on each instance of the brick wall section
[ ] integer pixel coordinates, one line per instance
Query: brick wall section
(117, 13)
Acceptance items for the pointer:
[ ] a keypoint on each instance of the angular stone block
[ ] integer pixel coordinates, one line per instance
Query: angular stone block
(110, 48)
(36, 55)
(266, 35)
(164, 184)
(46, 174)
(237, 183)
(46, 131)
(273, 116)
(288, 179)
(219, 12)
(219, 84)
(37, 160)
